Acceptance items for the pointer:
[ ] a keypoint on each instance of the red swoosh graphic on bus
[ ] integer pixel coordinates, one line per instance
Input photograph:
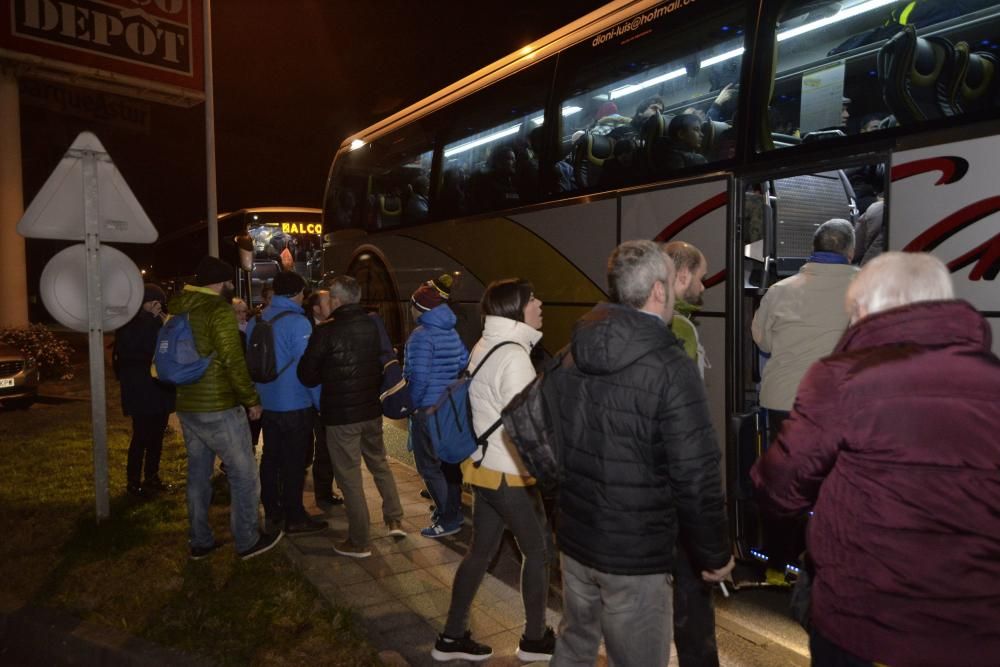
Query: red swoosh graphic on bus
(988, 265)
(686, 219)
(952, 169)
(716, 279)
(987, 254)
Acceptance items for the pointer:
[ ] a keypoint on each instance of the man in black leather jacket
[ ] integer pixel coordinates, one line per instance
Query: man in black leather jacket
(639, 461)
(343, 356)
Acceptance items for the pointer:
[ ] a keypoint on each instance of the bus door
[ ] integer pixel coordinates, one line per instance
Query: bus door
(776, 217)
(695, 211)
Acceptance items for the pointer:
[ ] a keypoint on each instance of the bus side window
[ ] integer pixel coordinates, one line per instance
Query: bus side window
(384, 183)
(493, 148)
(621, 96)
(847, 68)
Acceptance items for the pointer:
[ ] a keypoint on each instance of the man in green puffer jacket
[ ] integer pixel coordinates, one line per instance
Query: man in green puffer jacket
(694, 612)
(212, 415)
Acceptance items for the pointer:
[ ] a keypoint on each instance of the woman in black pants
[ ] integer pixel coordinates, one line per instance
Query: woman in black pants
(146, 400)
(505, 494)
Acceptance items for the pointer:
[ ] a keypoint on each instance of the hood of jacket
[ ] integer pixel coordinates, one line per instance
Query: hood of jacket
(498, 329)
(611, 337)
(191, 298)
(439, 317)
(281, 304)
(682, 307)
(926, 323)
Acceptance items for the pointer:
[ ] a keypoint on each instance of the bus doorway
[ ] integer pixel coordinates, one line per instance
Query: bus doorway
(776, 219)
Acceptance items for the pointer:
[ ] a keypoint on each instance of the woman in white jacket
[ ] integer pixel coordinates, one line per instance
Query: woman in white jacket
(505, 494)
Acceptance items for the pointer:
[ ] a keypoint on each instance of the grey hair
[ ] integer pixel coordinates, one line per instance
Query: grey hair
(345, 289)
(836, 235)
(896, 279)
(633, 269)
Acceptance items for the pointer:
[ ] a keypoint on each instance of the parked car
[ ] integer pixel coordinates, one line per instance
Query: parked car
(19, 378)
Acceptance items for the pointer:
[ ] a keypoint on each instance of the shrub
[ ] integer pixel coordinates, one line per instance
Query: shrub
(51, 353)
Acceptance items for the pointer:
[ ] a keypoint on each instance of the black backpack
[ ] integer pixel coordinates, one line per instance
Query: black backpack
(531, 420)
(262, 360)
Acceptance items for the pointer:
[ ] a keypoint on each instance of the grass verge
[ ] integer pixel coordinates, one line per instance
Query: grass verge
(132, 572)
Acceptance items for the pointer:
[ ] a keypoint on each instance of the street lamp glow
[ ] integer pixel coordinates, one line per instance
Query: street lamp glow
(356, 144)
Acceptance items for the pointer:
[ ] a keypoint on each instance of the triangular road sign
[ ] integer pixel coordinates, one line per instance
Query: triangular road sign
(57, 210)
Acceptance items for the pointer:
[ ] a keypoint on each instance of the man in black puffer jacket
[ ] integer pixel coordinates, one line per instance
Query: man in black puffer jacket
(640, 460)
(343, 355)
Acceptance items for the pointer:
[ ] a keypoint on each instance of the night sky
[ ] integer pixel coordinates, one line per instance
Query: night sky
(292, 80)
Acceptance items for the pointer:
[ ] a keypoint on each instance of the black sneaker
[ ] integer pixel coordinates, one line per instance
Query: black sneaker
(465, 648)
(331, 500)
(136, 491)
(306, 525)
(157, 485)
(200, 553)
(264, 544)
(534, 650)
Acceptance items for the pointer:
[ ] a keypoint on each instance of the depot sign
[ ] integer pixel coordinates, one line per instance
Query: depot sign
(158, 42)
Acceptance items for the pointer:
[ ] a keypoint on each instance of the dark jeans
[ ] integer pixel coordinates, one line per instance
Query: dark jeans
(146, 443)
(520, 509)
(319, 457)
(282, 465)
(694, 615)
(443, 480)
(827, 654)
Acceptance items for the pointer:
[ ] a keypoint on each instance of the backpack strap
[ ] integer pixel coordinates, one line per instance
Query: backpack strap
(271, 322)
(483, 440)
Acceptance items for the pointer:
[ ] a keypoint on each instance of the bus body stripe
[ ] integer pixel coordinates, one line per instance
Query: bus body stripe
(697, 212)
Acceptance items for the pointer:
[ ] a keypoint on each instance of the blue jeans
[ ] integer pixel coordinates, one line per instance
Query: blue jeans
(225, 434)
(443, 480)
(622, 608)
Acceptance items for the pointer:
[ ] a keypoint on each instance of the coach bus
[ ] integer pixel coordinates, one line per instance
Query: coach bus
(281, 238)
(736, 126)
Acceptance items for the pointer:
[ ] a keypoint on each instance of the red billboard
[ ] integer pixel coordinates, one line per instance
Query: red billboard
(159, 42)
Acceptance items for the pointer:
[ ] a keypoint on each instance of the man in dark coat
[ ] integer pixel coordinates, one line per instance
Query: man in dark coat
(146, 400)
(893, 444)
(640, 461)
(344, 356)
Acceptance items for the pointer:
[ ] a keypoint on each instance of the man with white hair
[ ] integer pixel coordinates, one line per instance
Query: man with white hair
(893, 445)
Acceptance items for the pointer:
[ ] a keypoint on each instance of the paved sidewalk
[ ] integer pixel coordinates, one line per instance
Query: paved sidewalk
(403, 590)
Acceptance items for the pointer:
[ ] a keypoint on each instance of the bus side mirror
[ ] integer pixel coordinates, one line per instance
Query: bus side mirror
(245, 245)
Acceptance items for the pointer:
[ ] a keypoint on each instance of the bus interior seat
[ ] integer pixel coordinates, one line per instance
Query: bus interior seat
(588, 158)
(717, 142)
(388, 209)
(978, 84)
(919, 76)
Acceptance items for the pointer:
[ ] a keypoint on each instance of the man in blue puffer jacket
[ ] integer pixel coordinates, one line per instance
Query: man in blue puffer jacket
(434, 356)
(288, 411)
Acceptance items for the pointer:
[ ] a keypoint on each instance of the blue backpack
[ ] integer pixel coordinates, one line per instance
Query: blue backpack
(449, 421)
(176, 359)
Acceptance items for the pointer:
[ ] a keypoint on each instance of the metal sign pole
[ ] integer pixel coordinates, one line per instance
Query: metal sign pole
(95, 313)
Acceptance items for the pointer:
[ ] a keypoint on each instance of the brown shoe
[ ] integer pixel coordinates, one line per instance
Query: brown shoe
(395, 527)
(347, 548)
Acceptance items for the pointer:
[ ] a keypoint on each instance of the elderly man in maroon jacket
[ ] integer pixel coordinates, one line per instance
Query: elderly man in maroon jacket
(894, 442)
